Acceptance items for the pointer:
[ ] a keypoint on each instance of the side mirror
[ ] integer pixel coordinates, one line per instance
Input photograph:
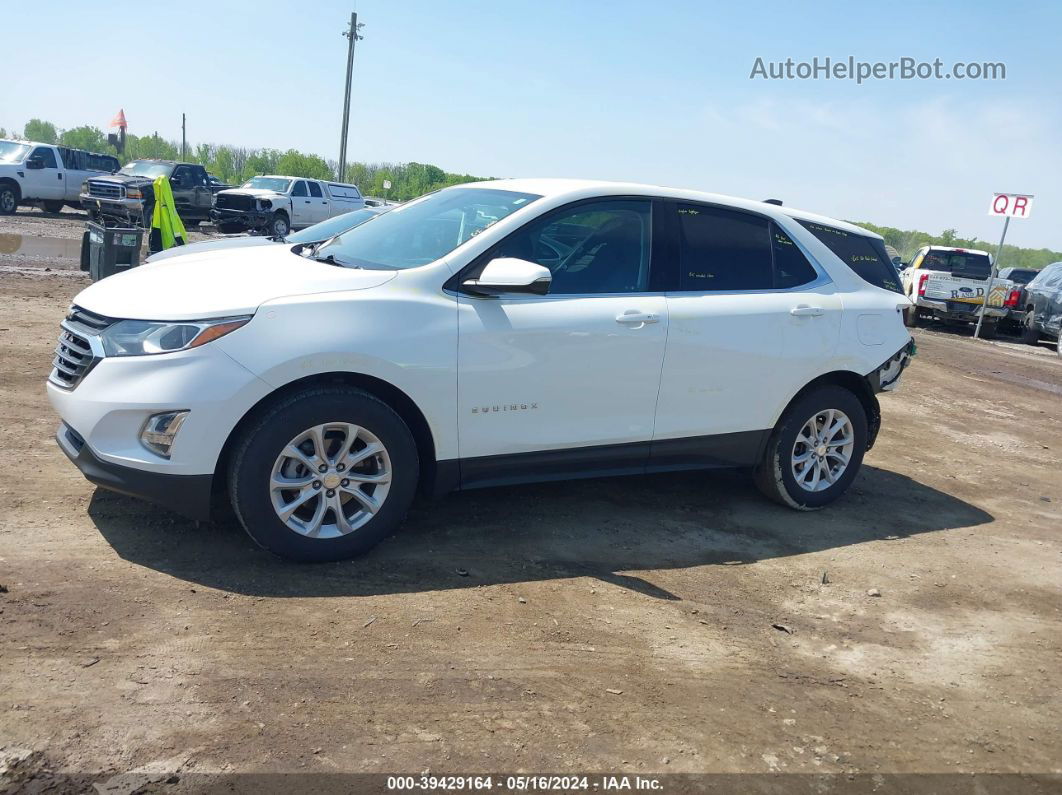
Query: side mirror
(34, 163)
(507, 275)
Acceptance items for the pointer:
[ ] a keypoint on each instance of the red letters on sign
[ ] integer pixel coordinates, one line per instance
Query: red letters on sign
(1020, 205)
(1000, 203)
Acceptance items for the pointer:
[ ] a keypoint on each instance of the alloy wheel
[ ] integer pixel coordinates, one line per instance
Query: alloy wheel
(822, 450)
(330, 480)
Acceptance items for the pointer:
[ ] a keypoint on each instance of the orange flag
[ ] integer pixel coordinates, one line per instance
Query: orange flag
(119, 120)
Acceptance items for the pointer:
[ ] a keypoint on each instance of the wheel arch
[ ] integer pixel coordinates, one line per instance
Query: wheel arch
(856, 384)
(394, 397)
(14, 184)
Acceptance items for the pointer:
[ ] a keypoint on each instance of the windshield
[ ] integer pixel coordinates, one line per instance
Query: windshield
(958, 263)
(11, 152)
(275, 184)
(332, 227)
(144, 168)
(424, 230)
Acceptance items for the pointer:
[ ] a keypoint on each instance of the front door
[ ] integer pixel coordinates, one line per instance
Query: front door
(301, 207)
(750, 318)
(47, 182)
(562, 383)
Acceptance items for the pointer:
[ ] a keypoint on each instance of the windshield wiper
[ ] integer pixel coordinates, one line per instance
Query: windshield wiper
(331, 260)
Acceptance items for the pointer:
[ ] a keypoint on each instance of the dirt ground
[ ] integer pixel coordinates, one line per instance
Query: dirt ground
(672, 624)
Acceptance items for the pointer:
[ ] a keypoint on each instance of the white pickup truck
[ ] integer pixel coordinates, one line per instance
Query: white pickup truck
(276, 204)
(949, 284)
(34, 173)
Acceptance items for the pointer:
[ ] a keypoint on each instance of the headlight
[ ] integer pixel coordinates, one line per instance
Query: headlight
(85, 187)
(141, 337)
(133, 193)
(266, 204)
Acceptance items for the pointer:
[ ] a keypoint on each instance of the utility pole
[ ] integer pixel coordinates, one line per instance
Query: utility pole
(352, 38)
(184, 146)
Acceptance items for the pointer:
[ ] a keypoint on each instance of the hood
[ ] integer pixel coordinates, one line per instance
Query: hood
(123, 179)
(258, 193)
(211, 245)
(219, 283)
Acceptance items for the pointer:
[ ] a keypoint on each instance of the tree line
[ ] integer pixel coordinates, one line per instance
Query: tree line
(908, 241)
(237, 164)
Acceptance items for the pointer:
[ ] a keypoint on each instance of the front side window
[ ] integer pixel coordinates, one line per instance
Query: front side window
(866, 256)
(594, 247)
(299, 189)
(46, 156)
(424, 230)
(723, 250)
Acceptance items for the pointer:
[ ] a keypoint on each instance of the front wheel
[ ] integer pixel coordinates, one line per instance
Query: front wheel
(279, 226)
(815, 451)
(53, 207)
(8, 199)
(324, 474)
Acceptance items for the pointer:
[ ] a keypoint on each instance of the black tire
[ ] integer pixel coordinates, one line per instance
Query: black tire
(989, 329)
(1030, 335)
(774, 476)
(279, 225)
(9, 198)
(230, 229)
(262, 442)
(911, 318)
(53, 207)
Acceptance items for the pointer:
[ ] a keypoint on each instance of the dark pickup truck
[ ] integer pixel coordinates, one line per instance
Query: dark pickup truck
(129, 195)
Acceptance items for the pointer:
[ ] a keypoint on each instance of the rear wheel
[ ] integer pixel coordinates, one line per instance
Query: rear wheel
(911, 318)
(815, 451)
(989, 329)
(53, 207)
(1030, 335)
(324, 474)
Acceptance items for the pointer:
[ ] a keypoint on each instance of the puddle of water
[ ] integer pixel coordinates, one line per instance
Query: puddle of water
(34, 246)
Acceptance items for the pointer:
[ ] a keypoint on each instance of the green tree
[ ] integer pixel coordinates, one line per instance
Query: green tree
(297, 164)
(85, 137)
(3, 133)
(41, 131)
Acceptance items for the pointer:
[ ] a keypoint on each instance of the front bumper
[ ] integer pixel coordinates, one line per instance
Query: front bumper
(248, 219)
(126, 209)
(188, 495)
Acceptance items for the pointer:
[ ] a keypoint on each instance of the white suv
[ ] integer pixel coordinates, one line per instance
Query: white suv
(486, 334)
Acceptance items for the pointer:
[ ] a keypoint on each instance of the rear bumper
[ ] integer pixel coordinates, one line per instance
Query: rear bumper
(188, 495)
(957, 310)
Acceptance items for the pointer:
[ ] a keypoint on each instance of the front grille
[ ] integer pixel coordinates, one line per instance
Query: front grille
(105, 189)
(73, 355)
(234, 201)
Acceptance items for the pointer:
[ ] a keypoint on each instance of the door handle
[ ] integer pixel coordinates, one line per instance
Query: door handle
(806, 311)
(634, 316)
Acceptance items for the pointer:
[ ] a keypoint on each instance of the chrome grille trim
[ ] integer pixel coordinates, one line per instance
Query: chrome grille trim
(105, 189)
(78, 349)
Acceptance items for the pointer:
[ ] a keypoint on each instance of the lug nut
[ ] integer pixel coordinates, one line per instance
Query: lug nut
(340, 467)
(317, 484)
(330, 493)
(345, 483)
(322, 468)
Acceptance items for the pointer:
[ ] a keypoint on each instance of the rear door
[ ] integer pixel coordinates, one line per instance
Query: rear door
(751, 322)
(555, 385)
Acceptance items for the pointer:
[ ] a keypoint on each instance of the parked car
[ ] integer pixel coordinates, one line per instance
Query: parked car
(485, 335)
(949, 284)
(1015, 302)
(275, 205)
(51, 176)
(1043, 306)
(129, 196)
(318, 233)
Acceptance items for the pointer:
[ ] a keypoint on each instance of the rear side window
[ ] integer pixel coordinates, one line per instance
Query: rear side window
(722, 250)
(791, 267)
(958, 263)
(864, 255)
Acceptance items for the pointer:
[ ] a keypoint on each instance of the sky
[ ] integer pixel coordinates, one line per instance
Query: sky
(656, 92)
